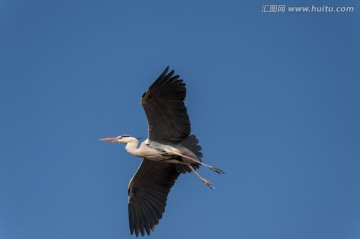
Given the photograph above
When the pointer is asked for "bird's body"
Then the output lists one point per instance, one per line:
(169, 151)
(155, 151)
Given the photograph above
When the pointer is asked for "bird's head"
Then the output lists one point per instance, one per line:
(123, 139)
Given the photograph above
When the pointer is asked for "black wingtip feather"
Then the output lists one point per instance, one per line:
(166, 77)
(165, 72)
(161, 79)
(175, 77)
(171, 73)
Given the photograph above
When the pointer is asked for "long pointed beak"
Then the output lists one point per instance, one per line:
(113, 140)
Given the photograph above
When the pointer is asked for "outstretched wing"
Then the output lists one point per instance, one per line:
(164, 106)
(148, 191)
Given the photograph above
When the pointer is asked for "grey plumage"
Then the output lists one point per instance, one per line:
(164, 106)
(168, 122)
(148, 191)
(169, 151)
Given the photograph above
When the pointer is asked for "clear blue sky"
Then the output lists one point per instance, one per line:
(273, 98)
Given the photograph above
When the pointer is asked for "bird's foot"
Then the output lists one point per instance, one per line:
(208, 183)
(217, 170)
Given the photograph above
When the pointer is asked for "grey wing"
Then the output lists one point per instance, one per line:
(165, 110)
(148, 191)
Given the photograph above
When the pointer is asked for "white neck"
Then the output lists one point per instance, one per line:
(132, 147)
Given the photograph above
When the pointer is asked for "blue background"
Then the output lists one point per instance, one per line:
(273, 98)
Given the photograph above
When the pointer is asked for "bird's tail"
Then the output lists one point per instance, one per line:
(191, 143)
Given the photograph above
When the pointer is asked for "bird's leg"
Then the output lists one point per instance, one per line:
(201, 178)
(203, 164)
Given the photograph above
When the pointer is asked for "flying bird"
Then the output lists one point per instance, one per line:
(169, 151)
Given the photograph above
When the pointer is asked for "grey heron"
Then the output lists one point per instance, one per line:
(170, 150)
